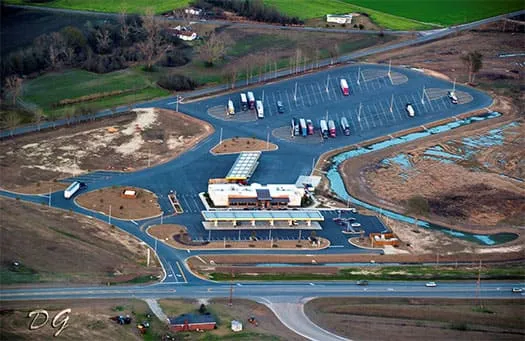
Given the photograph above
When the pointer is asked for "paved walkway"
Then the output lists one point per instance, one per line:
(153, 304)
(292, 315)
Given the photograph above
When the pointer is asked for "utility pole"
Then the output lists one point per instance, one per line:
(109, 217)
(478, 286)
(392, 104)
(231, 290)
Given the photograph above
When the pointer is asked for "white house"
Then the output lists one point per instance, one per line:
(193, 11)
(255, 195)
(339, 18)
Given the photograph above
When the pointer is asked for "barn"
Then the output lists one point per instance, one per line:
(191, 322)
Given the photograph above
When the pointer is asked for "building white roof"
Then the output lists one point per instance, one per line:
(251, 190)
(244, 166)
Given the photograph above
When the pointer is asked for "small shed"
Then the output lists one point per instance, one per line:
(192, 322)
(129, 194)
(236, 326)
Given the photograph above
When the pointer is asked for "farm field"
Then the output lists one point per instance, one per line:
(306, 9)
(48, 90)
(135, 6)
(414, 319)
(443, 12)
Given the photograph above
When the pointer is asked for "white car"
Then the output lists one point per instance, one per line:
(410, 110)
(517, 290)
(453, 97)
(355, 225)
(431, 284)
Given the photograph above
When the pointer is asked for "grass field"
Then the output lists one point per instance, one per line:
(132, 6)
(443, 12)
(49, 89)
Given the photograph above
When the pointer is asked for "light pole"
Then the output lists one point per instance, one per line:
(295, 93)
(358, 75)
(327, 82)
(454, 86)
(392, 104)
(268, 138)
(423, 96)
(49, 202)
(109, 216)
(220, 138)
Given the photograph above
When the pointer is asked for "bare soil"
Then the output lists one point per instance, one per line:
(142, 138)
(55, 246)
(176, 236)
(416, 319)
(242, 144)
(145, 205)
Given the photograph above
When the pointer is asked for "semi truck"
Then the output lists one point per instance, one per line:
(344, 87)
(251, 100)
(323, 129)
(260, 109)
(345, 126)
(244, 102)
(310, 126)
(295, 127)
(331, 128)
(73, 188)
(231, 108)
(304, 129)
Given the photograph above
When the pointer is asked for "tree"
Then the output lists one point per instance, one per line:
(12, 120)
(13, 85)
(333, 51)
(202, 309)
(213, 49)
(474, 62)
(152, 47)
(103, 37)
(124, 27)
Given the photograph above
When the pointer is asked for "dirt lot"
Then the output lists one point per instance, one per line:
(416, 319)
(269, 327)
(143, 206)
(55, 246)
(128, 142)
(242, 144)
(502, 76)
(176, 236)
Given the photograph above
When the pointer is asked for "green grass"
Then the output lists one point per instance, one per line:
(252, 43)
(133, 6)
(443, 12)
(49, 89)
(308, 9)
(389, 273)
(20, 274)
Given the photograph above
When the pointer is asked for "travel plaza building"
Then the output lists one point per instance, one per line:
(239, 205)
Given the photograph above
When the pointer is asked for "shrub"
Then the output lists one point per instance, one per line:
(418, 205)
(361, 26)
(177, 82)
(121, 207)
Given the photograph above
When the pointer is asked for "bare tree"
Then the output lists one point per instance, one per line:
(153, 47)
(333, 51)
(12, 120)
(474, 62)
(214, 48)
(70, 55)
(13, 85)
(37, 117)
(298, 56)
(123, 21)
(104, 40)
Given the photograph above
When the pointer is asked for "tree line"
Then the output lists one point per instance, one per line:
(100, 48)
(251, 9)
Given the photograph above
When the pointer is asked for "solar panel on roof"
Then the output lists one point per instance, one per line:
(244, 166)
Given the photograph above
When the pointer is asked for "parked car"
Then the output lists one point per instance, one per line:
(431, 284)
(410, 110)
(356, 224)
(280, 107)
